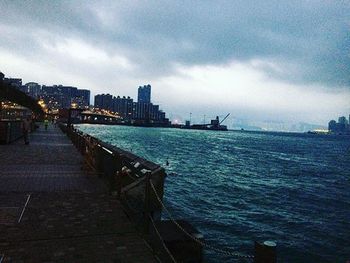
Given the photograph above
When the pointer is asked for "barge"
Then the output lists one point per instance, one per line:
(215, 125)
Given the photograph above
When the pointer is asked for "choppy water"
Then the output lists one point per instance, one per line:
(237, 187)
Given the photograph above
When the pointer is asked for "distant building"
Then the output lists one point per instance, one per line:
(98, 101)
(332, 125)
(15, 82)
(342, 126)
(140, 112)
(123, 107)
(67, 91)
(84, 94)
(144, 94)
(63, 97)
(54, 97)
(104, 101)
(33, 89)
(342, 120)
(342, 123)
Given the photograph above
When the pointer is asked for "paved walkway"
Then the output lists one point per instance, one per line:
(53, 211)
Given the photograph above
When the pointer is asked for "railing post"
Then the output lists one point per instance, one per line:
(147, 201)
(98, 158)
(118, 177)
(118, 183)
(265, 252)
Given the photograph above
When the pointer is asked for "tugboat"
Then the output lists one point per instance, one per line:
(214, 125)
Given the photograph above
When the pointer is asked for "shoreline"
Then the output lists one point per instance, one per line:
(310, 134)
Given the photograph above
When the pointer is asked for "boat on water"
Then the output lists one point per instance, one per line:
(214, 125)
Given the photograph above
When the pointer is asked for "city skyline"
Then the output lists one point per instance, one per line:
(142, 111)
(53, 96)
(261, 62)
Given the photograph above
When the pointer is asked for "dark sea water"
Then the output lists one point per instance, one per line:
(237, 187)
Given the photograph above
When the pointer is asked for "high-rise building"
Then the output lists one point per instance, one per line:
(123, 106)
(60, 96)
(15, 82)
(342, 120)
(140, 112)
(342, 123)
(49, 90)
(144, 94)
(104, 101)
(98, 101)
(55, 97)
(33, 89)
(342, 126)
(83, 95)
(68, 94)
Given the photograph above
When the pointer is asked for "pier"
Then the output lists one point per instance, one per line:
(54, 209)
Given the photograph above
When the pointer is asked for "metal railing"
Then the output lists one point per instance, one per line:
(10, 131)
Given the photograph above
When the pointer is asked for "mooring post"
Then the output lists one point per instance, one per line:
(265, 252)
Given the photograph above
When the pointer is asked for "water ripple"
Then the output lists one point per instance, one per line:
(237, 187)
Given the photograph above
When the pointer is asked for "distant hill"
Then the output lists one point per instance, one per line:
(276, 126)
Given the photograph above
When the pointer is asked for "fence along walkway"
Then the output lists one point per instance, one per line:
(52, 211)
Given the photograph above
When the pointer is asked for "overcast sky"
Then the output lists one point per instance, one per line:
(258, 60)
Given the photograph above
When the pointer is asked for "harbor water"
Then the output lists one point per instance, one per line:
(238, 187)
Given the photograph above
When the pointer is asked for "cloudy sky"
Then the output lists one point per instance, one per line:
(259, 60)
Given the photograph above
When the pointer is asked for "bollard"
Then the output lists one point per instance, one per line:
(265, 252)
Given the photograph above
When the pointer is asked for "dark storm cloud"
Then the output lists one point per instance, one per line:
(308, 40)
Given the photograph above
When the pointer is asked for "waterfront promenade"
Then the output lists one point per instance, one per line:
(51, 210)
